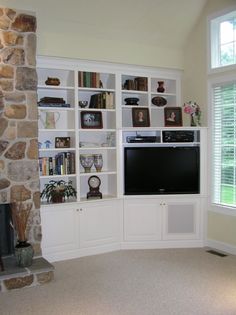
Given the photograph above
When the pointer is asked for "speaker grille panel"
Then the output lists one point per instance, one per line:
(181, 219)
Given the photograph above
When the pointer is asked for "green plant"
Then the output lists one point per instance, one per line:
(58, 191)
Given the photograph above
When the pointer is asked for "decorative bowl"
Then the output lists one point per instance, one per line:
(52, 81)
(83, 104)
(159, 101)
(131, 101)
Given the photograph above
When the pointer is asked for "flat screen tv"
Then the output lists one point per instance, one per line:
(161, 170)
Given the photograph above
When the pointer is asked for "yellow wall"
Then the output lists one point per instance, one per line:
(62, 35)
(220, 227)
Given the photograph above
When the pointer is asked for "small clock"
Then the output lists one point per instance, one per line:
(94, 183)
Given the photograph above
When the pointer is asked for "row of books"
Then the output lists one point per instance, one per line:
(102, 100)
(62, 164)
(139, 84)
(89, 79)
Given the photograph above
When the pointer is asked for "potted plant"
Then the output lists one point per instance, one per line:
(58, 191)
(20, 216)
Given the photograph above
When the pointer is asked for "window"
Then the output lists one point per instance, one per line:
(224, 143)
(223, 40)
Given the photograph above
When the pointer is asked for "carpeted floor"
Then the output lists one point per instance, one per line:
(134, 282)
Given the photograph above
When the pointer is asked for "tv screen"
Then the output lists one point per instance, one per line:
(161, 170)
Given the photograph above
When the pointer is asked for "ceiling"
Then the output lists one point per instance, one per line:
(154, 22)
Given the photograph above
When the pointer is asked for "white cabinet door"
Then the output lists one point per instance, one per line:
(100, 223)
(59, 229)
(182, 219)
(142, 220)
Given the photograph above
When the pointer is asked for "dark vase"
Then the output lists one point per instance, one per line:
(160, 87)
(24, 253)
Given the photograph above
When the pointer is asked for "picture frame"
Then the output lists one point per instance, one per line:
(173, 116)
(62, 142)
(140, 117)
(91, 120)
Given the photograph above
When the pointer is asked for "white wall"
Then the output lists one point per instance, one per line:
(60, 34)
(221, 228)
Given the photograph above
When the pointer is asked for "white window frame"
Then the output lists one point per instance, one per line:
(218, 75)
(224, 209)
(213, 48)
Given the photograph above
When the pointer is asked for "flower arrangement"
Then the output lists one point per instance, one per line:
(20, 216)
(193, 109)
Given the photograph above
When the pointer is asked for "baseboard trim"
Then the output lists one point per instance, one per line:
(53, 257)
(162, 244)
(224, 247)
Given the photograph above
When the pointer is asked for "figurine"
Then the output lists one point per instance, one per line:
(47, 144)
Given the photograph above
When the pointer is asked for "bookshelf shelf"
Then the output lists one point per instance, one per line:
(56, 176)
(57, 150)
(56, 130)
(53, 87)
(53, 109)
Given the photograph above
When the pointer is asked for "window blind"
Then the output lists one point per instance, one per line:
(224, 144)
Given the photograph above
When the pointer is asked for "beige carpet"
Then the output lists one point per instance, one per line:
(139, 282)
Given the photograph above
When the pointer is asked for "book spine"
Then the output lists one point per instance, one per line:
(97, 80)
(50, 166)
(54, 166)
(72, 163)
(40, 166)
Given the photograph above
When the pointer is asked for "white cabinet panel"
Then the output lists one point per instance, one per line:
(59, 228)
(99, 223)
(142, 220)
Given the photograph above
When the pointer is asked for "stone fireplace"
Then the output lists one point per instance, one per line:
(19, 176)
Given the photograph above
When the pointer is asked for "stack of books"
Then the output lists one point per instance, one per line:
(62, 164)
(52, 102)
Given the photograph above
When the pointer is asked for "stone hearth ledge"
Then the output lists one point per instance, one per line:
(13, 277)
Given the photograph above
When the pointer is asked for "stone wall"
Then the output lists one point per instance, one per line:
(19, 177)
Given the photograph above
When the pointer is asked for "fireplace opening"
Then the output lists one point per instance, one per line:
(6, 231)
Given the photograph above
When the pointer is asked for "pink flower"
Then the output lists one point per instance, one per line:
(191, 108)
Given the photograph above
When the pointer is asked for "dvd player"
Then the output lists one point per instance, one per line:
(178, 136)
(141, 139)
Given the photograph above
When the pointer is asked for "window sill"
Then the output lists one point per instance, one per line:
(222, 69)
(226, 210)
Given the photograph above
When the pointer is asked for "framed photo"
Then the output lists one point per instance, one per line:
(173, 116)
(140, 117)
(62, 142)
(91, 119)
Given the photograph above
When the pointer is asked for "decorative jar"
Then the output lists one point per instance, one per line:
(86, 161)
(160, 87)
(98, 162)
